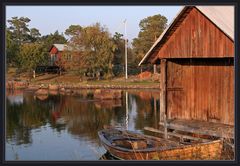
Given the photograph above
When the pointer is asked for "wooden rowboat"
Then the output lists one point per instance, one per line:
(128, 145)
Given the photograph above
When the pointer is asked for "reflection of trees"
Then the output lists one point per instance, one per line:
(147, 112)
(21, 118)
(84, 119)
(81, 117)
(108, 104)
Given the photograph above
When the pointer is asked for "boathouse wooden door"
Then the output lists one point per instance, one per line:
(175, 91)
(200, 90)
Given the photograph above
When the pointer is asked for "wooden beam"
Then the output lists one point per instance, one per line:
(153, 60)
(155, 113)
(163, 100)
(180, 136)
(201, 128)
(163, 90)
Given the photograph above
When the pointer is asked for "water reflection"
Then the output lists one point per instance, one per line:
(73, 120)
(15, 97)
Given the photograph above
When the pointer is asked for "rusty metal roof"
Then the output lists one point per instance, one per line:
(221, 16)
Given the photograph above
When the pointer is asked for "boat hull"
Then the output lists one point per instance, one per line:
(201, 151)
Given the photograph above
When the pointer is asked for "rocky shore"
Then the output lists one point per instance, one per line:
(61, 87)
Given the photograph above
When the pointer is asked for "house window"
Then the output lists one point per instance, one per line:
(53, 59)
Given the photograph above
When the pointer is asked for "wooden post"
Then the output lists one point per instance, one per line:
(155, 112)
(163, 100)
(34, 74)
(154, 69)
(155, 106)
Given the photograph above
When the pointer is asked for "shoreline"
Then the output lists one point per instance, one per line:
(12, 85)
(74, 86)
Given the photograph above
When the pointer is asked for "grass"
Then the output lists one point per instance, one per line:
(112, 82)
(72, 79)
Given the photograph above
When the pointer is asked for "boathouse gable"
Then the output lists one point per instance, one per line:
(195, 36)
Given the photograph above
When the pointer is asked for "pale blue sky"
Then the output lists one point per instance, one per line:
(48, 19)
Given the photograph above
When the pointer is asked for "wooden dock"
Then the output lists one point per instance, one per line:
(198, 127)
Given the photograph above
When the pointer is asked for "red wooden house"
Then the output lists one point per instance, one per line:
(55, 53)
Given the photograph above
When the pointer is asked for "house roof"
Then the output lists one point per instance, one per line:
(221, 16)
(60, 47)
(64, 47)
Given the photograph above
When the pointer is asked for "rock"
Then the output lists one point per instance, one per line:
(62, 89)
(33, 87)
(41, 92)
(145, 75)
(53, 87)
(16, 84)
(9, 85)
(62, 92)
(156, 77)
(69, 91)
(76, 93)
(107, 94)
(53, 92)
(42, 97)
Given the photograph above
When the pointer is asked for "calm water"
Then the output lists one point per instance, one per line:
(62, 127)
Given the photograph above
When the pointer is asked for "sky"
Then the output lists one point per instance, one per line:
(48, 19)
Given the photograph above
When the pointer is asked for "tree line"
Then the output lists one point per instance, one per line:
(91, 49)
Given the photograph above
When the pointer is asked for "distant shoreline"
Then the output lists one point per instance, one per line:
(107, 86)
(67, 81)
(33, 86)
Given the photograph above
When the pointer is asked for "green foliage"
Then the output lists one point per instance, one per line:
(18, 34)
(51, 39)
(31, 55)
(34, 34)
(119, 56)
(73, 31)
(19, 29)
(118, 36)
(150, 29)
(12, 48)
(97, 49)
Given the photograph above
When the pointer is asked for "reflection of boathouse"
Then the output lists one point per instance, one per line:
(196, 57)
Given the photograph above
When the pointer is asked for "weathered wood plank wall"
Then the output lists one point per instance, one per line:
(201, 90)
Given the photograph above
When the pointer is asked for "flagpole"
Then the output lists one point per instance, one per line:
(126, 111)
(125, 25)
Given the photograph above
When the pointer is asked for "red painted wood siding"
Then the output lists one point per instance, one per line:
(197, 37)
(55, 51)
(201, 90)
